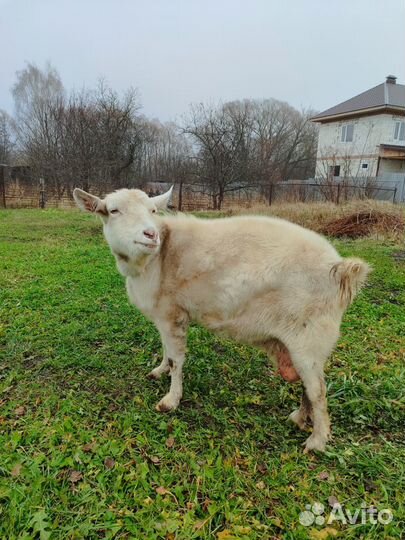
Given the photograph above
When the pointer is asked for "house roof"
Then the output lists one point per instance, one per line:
(387, 95)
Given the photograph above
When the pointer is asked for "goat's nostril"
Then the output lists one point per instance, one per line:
(150, 233)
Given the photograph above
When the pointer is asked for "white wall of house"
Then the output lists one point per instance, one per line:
(388, 166)
(369, 132)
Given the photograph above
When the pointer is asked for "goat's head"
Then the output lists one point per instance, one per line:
(130, 226)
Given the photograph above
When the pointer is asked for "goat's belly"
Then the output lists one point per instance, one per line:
(249, 326)
(253, 331)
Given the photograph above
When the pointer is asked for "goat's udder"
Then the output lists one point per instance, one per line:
(285, 366)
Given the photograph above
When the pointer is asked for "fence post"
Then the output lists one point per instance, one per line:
(395, 194)
(271, 194)
(338, 194)
(41, 193)
(3, 185)
(180, 199)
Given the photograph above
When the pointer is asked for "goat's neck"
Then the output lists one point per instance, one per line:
(142, 264)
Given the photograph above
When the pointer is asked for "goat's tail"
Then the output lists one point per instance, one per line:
(350, 275)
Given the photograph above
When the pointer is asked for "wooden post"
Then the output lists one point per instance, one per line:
(41, 193)
(180, 199)
(271, 194)
(3, 185)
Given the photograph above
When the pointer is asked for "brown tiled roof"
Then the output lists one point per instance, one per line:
(385, 95)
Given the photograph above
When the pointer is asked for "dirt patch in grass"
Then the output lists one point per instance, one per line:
(361, 224)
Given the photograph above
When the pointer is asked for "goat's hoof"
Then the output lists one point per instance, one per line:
(315, 442)
(166, 404)
(153, 375)
(157, 373)
(298, 419)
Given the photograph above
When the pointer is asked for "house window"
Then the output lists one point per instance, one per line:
(334, 170)
(399, 131)
(364, 165)
(347, 133)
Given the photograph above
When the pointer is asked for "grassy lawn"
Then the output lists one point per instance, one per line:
(83, 454)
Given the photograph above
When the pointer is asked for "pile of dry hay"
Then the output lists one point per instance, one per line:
(364, 223)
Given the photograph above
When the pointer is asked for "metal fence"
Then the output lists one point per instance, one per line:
(338, 190)
(21, 190)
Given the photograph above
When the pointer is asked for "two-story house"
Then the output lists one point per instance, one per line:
(365, 135)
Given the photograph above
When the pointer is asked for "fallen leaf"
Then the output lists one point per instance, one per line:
(89, 447)
(225, 535)
(200, 524)
(278, 523)
(109, 463)
(20, 411)
(155, 460)
(370, 485)
(240, 529)
(75, 476)
(323, 534)
(16, 470)
(324, 475)
(170, 442)
(332, 500)
(261, 485)
(161, 490)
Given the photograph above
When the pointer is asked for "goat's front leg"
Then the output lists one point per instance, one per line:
(163, 367)
(174, 344)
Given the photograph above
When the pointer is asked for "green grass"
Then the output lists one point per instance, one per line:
(83, 454)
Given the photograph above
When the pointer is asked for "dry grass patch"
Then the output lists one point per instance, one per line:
(361, 224)
(353, 219)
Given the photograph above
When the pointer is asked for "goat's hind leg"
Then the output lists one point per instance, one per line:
(309, 365)
(315, 389)
(301, 416)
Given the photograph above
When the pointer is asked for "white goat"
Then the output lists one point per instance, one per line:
(262, 281)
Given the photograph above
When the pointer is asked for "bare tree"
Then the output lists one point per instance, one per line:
(250, 144)
(6, 140)
(99, 134)
(88, 138)
(221, 139)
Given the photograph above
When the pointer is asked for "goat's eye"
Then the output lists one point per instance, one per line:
(114, 211)
(153, 211)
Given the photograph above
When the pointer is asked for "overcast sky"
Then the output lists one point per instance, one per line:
(311, 53)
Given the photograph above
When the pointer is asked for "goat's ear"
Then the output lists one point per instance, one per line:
(162, 201)
(89, 203)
